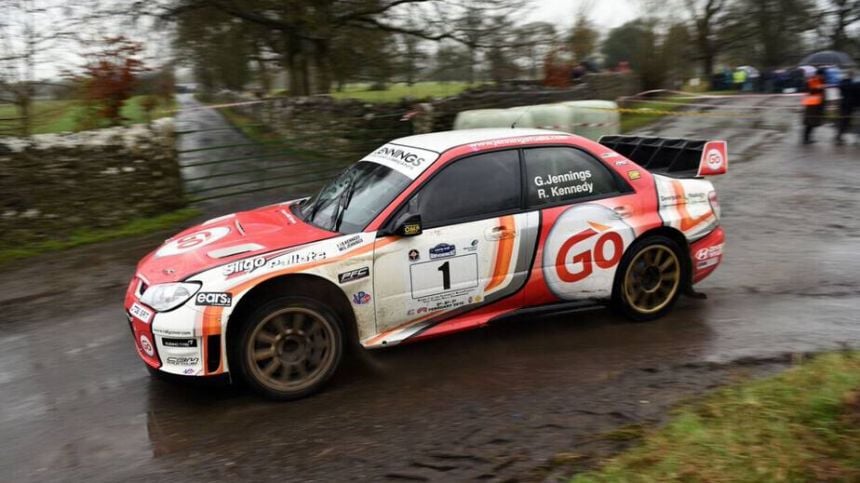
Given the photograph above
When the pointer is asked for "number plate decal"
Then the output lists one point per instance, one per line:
(444, 275)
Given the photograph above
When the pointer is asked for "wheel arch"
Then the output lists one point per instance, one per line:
(301, 284)
(676, 236)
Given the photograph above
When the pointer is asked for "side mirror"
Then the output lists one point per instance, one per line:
(408, 225)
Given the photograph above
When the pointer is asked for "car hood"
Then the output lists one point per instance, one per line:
(226, 239)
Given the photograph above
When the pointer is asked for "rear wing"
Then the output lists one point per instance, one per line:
(680, 158)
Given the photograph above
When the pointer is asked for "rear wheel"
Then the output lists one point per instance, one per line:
(288, 348)
(649, 279)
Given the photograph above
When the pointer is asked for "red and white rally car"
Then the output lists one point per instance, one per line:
(427, 235)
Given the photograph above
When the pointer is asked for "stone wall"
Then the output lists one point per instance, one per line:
(344, 129)
(348, 129)
(594, 86)
(55, 184)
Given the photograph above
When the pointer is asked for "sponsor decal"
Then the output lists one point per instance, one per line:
(471, 247)
(517, 140)
(188, 371)
(407, 160)
(247, 265)
(414, 256)
(353, 275)
(634, 174)
(707, 263)
(612, 154)
(411, 229)
(442, 250)
(297, 259)
(348, 243)
(410, 312)
(171, 332)
(714, 158)
(193, 241)
(709, 252)
(146, 345)
(215, 299)
(184, 343)
(583, 250)
(183, 361)
(421, 310)
(361, 298)
(140, 312)
(585, 258)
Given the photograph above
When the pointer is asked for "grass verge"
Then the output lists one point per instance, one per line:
(802, 425)
(86, 236)
(398, 91)
(650, 111)
(53, 116)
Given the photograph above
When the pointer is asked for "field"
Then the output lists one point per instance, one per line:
(52, 116)
(802, 425)
(398, 91)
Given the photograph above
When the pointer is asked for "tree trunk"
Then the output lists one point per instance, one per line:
(322, 62)
(473, 56)
(708, 67)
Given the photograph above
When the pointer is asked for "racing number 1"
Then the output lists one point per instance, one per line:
(445, 268)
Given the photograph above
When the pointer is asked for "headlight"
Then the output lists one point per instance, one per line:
(168, 296)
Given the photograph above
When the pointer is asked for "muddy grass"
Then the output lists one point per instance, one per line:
(802, 425)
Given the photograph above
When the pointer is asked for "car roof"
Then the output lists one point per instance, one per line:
(445, 140)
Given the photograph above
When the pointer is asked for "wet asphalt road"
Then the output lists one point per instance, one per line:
(496, 403)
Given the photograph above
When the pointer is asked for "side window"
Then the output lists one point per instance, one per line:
(565, 174)
(478, 185)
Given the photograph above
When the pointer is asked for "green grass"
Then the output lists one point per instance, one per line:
(53, 116)
(802, 425)
(648, 112)
(86, 236)
(398, 91)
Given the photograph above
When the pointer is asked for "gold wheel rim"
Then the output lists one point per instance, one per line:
(291, 349)
(652, 279)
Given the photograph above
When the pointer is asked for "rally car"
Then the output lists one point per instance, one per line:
(427, 235)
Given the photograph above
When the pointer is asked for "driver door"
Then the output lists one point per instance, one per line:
(475, 248)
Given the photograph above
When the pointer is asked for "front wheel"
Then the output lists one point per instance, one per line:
(649, 278)
(288, 348)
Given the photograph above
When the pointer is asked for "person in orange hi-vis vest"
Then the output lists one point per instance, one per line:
(813, 103)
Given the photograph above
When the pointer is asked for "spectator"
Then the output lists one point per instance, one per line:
(848, 90)
(813, 103)
(740, 78)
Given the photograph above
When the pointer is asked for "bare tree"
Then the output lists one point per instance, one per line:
(835, 19)
(707, 17)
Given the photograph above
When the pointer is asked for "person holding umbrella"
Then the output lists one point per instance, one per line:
(850, 97)
(813, 105)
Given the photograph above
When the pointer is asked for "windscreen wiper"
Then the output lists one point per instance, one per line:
(343, 202)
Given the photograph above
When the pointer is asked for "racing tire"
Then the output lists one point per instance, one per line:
(288, 348)
(649, 280)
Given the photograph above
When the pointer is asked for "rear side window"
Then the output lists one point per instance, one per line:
(556, 175)
(484, 184)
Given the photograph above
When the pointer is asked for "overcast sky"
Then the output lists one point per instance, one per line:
(604, 13)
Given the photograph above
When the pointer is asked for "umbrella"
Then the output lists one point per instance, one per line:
(829, 57)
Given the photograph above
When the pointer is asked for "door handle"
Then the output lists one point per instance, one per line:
(622, 211)
(499, 233)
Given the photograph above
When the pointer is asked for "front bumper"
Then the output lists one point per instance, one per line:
(176, 342)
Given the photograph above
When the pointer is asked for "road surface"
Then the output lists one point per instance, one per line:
(497, 403)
